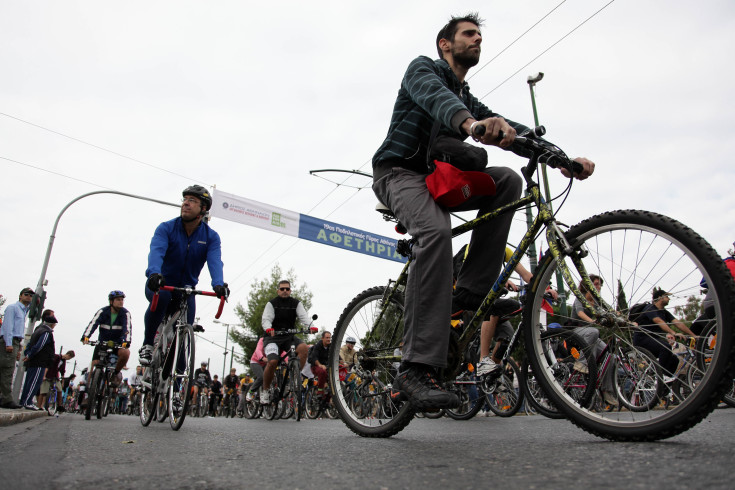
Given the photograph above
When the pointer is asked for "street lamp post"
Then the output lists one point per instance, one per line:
(227, 336)
(532, 81)
(40, 295)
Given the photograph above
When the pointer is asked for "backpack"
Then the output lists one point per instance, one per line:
(635, 311)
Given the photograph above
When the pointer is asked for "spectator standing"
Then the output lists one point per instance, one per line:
(13, 327)
(39, 354)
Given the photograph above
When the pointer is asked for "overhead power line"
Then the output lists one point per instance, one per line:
(102, 148)
(549, 48)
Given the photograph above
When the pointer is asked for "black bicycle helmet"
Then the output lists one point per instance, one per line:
(115, 294)
(201, 192)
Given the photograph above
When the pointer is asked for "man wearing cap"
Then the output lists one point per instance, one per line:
(13, 328)
(347, 353)
(435, 96)
(39, 355)
(655, 322)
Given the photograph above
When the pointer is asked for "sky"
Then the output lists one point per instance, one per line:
(147, 98)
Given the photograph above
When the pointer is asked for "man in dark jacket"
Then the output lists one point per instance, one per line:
(436, 91)
(115, 324)
(318, 358)
(39, 355)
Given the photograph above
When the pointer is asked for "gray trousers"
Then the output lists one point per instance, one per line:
(7, 368)
(429, 287)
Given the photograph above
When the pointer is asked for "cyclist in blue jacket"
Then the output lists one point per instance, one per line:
(179, 249)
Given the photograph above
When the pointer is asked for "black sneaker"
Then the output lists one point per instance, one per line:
(418, 385)
(463, 300)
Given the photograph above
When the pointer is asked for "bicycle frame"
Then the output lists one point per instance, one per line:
(558, 247)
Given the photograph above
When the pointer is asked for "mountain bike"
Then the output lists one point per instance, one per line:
(166, 382)
(286, 385)
(632, 250)
(100, 386)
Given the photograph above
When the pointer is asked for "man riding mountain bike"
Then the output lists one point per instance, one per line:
(115, 324)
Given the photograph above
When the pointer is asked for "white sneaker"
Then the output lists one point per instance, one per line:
(249, 396)
(486, 366)
(265, 397)
(669, 379)
(145, 354)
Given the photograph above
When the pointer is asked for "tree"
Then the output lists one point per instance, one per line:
(261, 292)
(622, 300)
(690, 311)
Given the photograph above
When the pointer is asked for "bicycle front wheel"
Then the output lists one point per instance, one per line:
(100, 393)
(294, 381)
(377, 325)
(534, 395)
(182, 376)
(633, 252)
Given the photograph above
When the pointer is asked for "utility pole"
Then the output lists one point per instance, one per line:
(532, 81)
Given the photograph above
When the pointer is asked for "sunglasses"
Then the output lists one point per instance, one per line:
(27, 294)
(284, 289)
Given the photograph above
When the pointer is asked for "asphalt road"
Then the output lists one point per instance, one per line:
(519, 452)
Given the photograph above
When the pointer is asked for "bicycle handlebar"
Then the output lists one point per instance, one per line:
(108, 343)
(291, 331)
(187, 292)
(532, 141)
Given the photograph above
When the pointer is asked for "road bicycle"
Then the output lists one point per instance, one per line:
(167, 380)
(632, 250)
(100, 386)
(286, 386)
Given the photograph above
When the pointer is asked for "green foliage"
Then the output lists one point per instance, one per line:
(690, 311)
(251, 315)
(622, 303)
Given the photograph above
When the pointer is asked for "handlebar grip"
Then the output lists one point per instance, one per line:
(270, 331)
(479, 130)
(221, 306)
(313, 329)
(154, 302)
(577, 167)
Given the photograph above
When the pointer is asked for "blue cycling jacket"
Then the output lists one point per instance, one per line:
(180, 258)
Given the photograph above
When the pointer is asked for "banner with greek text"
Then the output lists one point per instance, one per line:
(267, 217)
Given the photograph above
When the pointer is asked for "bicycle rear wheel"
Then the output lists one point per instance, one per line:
(633, 251)
(638, 379)
(182, 377)
(506, 397)
(148, 400)
(471, 399)
(378, 329)
(162, 404)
